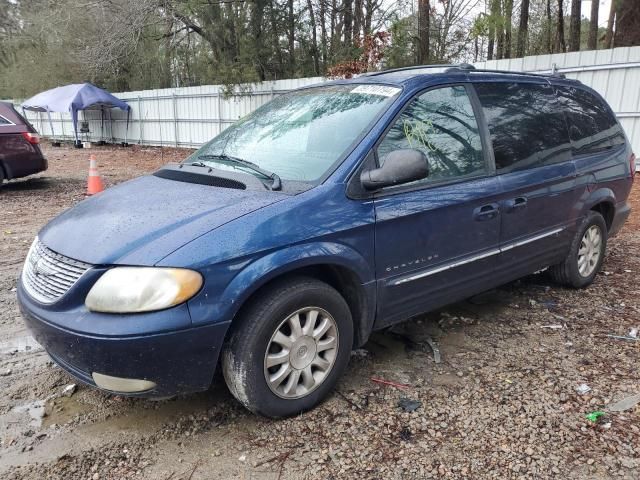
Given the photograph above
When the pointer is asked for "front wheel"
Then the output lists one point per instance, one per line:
(289, 347)
(586, 255)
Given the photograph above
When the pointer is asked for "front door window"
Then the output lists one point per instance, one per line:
(441, 123)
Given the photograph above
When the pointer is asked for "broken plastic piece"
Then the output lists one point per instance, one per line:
(594, 416)
(625, 404)
(409, 405)
(435, 349)
(583, 389)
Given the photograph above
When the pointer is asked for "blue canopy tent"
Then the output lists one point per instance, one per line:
(72, 98)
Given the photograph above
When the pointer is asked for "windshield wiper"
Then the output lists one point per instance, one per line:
(276, 182)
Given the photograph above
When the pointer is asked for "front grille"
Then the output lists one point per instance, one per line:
(48, 275)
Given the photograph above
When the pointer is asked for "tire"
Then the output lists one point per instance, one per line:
(1, 176)
(572, 272)
(255, 340)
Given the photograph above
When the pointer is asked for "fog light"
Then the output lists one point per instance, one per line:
(122, 385)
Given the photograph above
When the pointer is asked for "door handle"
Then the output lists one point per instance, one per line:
(486, 212)
(516, 204)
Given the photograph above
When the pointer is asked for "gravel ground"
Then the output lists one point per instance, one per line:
(501, 404)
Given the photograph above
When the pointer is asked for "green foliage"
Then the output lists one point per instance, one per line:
(401, 53)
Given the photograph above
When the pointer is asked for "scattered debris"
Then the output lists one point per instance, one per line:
(360, 353)
(583, 389)
(594, 416)
(391, 384)
(348, 400)
(435, 349)
(409, 405)
(5, 373)
(622, 337)
(553, 327)
(625, 404)
(69, 390)
(633, 333)
(405, 434)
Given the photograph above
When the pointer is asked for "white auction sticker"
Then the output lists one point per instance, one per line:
(382, 90)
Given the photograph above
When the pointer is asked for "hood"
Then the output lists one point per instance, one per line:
(142, 221)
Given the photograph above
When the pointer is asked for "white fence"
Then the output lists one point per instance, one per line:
(179, 117)
(188, 117)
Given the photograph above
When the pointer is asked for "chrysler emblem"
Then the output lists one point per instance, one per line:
(41, 269)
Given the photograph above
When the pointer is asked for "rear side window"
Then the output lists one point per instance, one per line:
(4, 121)
(527, 126)
(592, 125)
(441, 123)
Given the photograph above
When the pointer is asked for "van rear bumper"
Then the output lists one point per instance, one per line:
(622, 213)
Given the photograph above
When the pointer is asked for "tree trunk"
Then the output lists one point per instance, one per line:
(314, 39)
(348, 22)
(495, 30)
(508, 14)
(627, 23)
(358, 20)
(368, 16)
(292, 39)
(574, 25)
(323, 33)
(257, 15)
(278, 70)
(332, 29)
(523, 29)
(549, 24)
(592, 42)
(492, 31)
(561, 45)
(423, 31)
(608, 38)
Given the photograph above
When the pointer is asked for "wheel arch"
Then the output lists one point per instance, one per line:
(603, 201)
(4, 172)
(350, 277)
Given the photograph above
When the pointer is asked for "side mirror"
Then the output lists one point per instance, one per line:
(399, 166)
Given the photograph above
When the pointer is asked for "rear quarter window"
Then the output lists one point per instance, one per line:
(526, 125)
(592, 125)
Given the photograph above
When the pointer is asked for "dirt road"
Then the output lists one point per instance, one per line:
(502, 404)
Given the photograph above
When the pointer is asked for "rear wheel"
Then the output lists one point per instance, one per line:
(289, 347)
(586, 255)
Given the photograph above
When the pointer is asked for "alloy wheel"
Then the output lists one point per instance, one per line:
(301, 353)
(590, 250)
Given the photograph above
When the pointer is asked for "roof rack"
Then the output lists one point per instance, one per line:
(462, 68)
(404, 69)
(528, 74)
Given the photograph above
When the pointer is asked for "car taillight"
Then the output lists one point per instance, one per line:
(632, 165)
(32, 138)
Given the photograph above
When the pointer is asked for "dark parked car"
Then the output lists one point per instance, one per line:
(20, 154)
(330, 212)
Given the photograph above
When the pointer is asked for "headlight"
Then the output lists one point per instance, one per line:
(142, 289)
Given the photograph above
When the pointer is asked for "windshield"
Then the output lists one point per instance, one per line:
(298, 136)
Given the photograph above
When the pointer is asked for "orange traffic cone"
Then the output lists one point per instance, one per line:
(94, 184)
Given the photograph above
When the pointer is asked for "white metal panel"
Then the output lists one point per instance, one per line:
(197, 114)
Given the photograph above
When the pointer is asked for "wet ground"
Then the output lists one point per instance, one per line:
(503, 403)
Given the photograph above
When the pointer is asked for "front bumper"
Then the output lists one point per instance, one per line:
(181, 361)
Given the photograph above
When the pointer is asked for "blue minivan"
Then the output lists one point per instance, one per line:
(330, 212)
